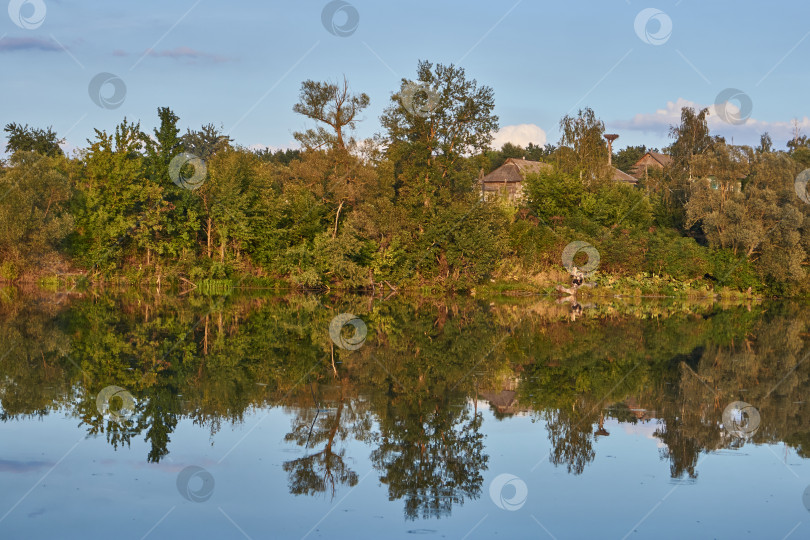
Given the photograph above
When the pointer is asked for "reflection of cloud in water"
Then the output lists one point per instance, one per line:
(7, 465)
(645, 429)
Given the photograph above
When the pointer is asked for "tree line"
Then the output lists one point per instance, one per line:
(402, 208)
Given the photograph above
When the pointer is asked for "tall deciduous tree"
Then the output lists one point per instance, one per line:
(331, 104)
(181, 220)
(583, 149)
(429, 142)
(340, 174)
(120, 208)
(691, 138)
(437, 131)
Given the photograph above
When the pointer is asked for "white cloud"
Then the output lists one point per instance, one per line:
(521, 134)
(748, 132)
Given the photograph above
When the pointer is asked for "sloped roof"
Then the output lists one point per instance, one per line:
(663, 159)
(515, 170)
(621, 176)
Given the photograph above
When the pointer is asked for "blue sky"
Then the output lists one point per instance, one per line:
(240, 64)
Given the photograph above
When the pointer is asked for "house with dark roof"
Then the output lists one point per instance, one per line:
(507, 180)
(650, 160)
(621, 176)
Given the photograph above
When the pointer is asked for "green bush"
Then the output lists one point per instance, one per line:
(681, 258)
(734, 271)
(9, 271)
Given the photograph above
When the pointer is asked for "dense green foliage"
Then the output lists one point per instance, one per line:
(403, 209)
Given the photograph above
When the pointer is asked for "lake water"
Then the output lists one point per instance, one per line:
(130, 415)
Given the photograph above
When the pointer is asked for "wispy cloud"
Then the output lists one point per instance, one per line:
(186, 53)
(659, 122)
(7, 465)
(11, 44)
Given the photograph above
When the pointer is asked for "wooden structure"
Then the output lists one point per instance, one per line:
(650, 160)
(507, 180)
(621, 176)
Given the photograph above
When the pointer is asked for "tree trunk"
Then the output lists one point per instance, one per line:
(205, 337)
(337, 217)
(210, 226)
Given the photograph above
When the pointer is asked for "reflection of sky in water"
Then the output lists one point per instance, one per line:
(97, 492)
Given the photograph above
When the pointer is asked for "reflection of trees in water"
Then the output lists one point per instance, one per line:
(687, 370)
(571, 434)
(406, 392)
(762, 365)
(431, 454)
(324, 470)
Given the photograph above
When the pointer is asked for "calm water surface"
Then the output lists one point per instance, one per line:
(130, 415)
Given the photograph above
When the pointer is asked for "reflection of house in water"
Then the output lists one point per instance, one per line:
(504, 402)
(637, 411)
